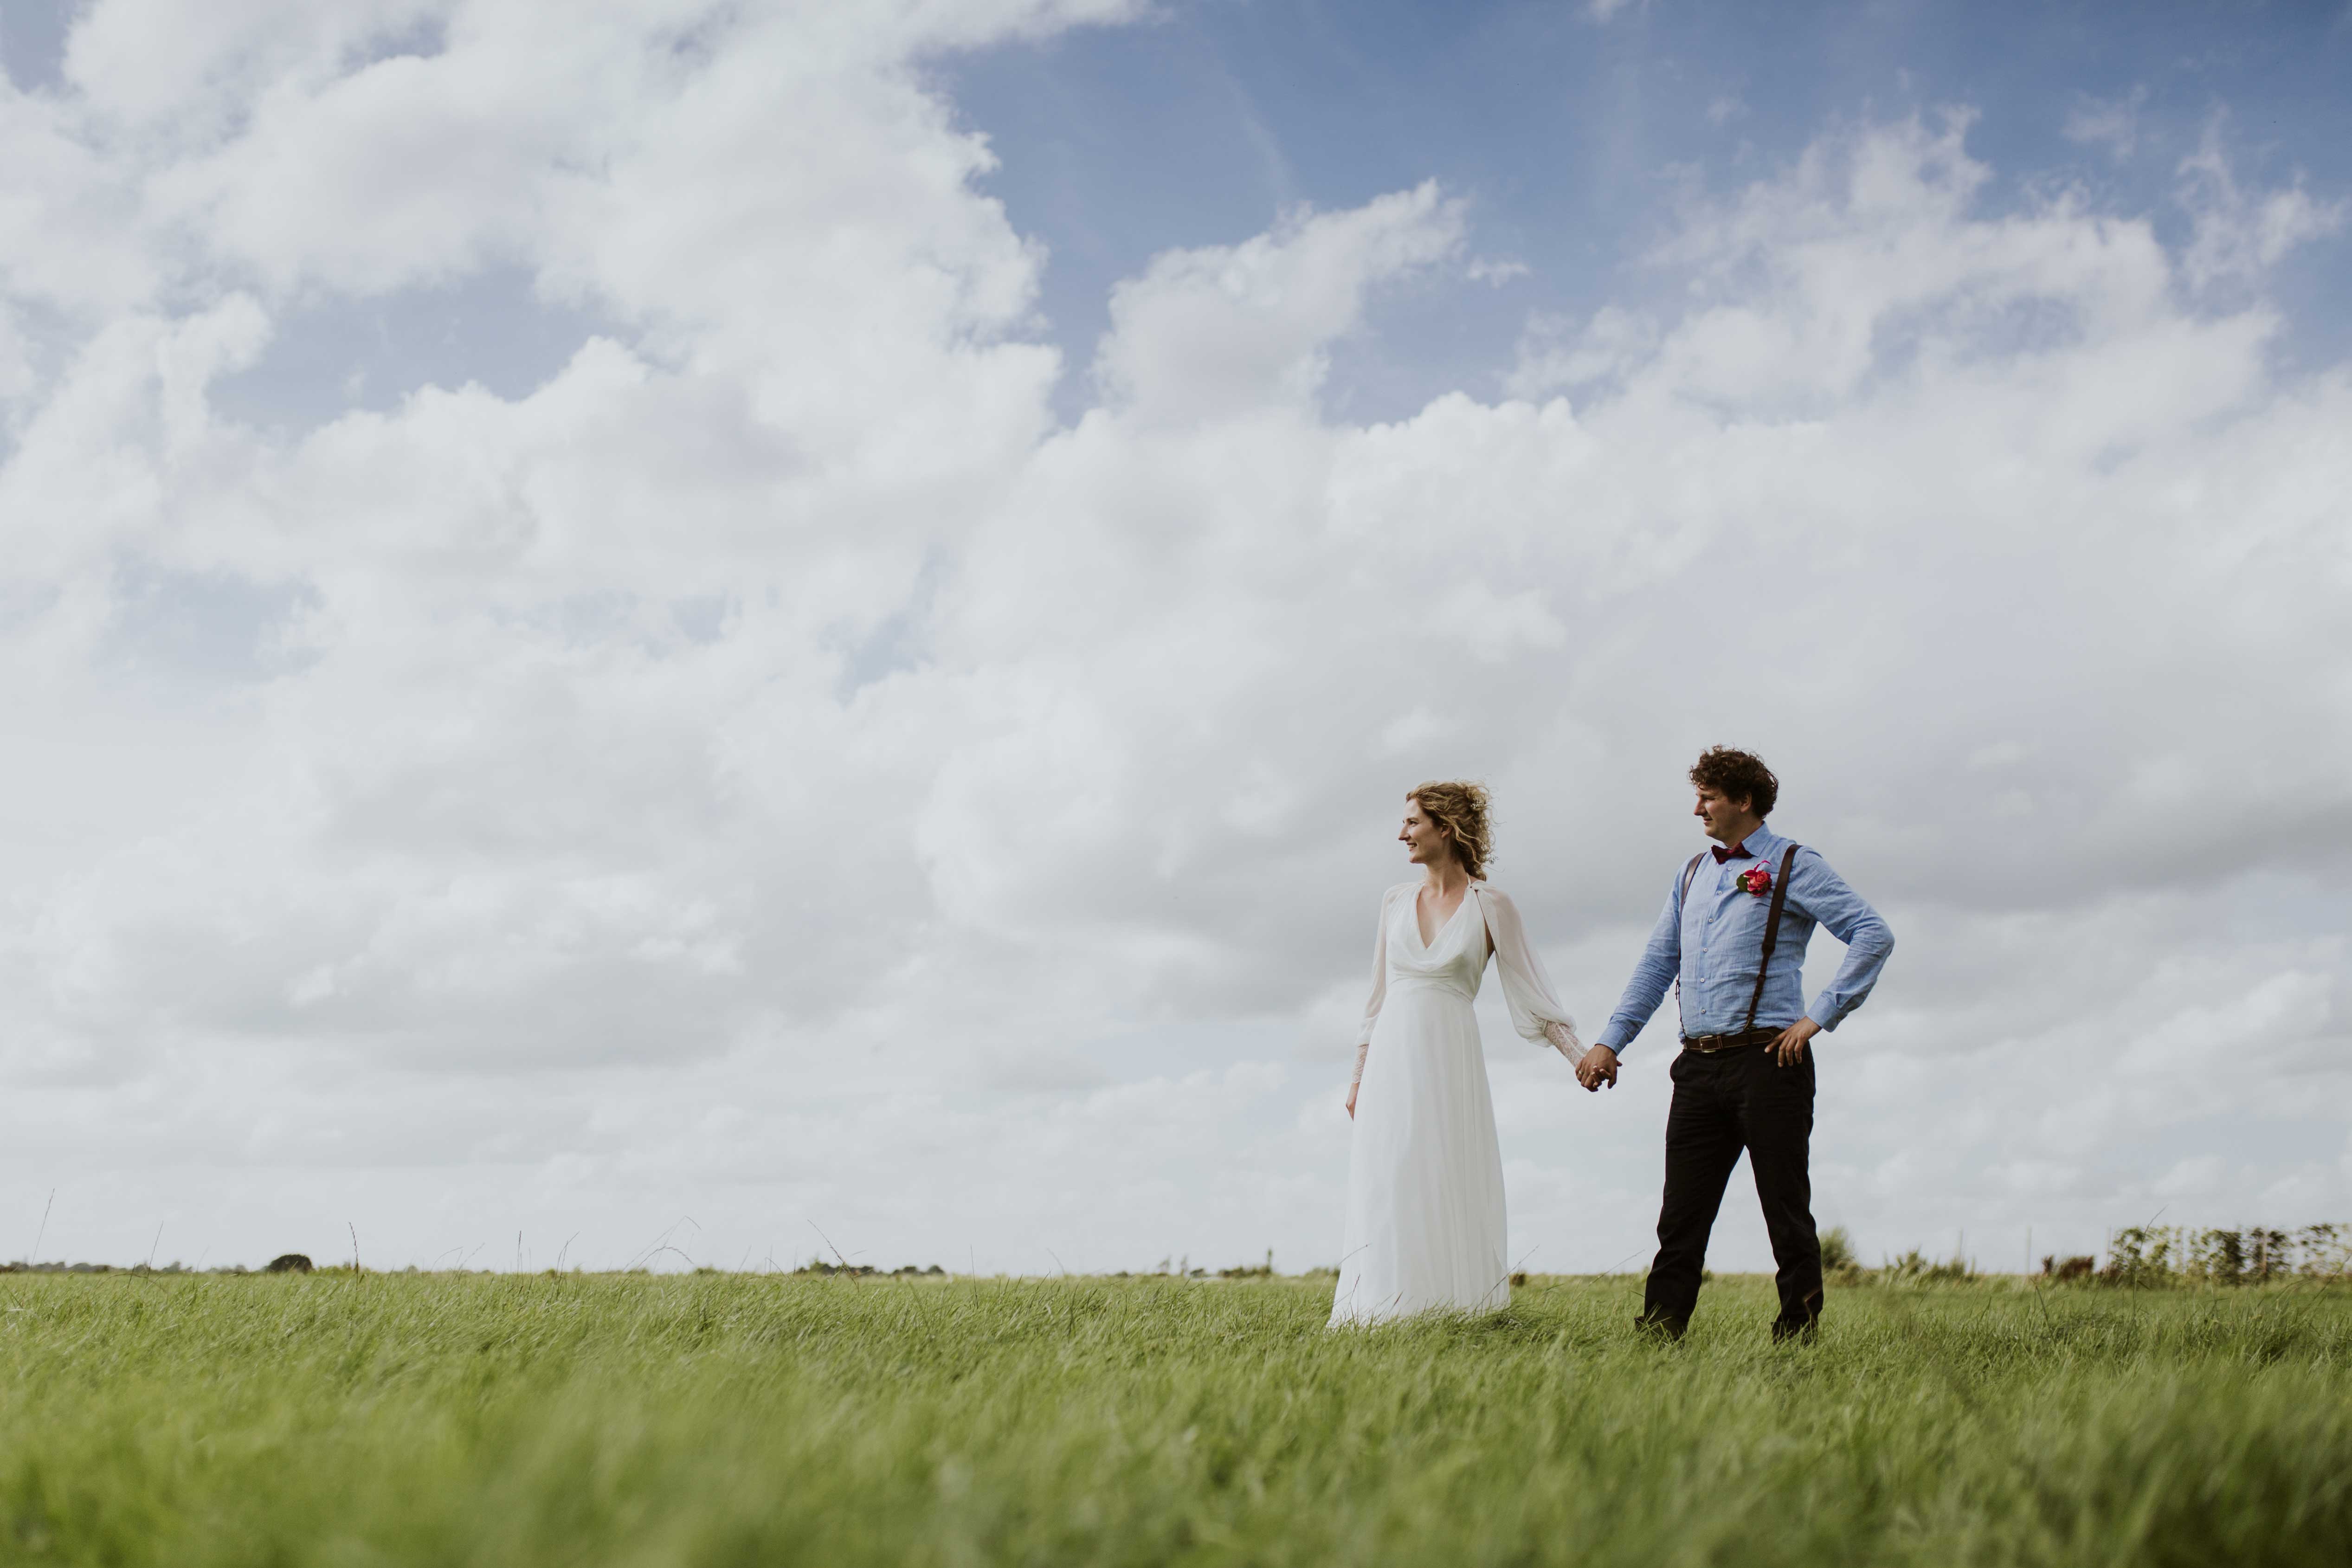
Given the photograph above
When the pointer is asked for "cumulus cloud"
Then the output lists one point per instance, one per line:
(774, 770)
(2109, 122)
(2241, 234)
(1216, 332)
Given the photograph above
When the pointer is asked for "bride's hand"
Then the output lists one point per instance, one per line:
(1351, 1103)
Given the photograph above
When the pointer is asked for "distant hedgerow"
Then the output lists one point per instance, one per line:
(2156, 1256)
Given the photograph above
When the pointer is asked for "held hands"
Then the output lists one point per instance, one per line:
(1598, 1067)
(1789, 1049)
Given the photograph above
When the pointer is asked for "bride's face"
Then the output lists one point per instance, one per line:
(1424, 842)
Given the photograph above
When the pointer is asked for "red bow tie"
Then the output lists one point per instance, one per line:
(1737, 851)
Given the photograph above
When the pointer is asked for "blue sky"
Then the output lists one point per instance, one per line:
(1573, 138)
(576, 660)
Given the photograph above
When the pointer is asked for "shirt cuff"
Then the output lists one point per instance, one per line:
(1822, 1013)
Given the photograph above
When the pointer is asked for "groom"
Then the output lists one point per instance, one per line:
(1732, 941)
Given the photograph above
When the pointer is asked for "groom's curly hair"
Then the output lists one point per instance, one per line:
(1737, 775)
(1460, 808)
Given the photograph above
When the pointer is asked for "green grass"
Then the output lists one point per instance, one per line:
(733, 1419)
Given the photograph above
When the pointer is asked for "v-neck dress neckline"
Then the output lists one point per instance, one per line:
(1429, 943)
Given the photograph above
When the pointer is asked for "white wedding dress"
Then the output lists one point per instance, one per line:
(1425, 1227)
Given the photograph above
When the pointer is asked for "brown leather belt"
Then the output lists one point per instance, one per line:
(1708, 1045)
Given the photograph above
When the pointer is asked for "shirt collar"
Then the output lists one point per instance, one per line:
(1763, 844)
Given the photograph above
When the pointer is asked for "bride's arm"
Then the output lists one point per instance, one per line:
(1535, 1012)
(1379, 995)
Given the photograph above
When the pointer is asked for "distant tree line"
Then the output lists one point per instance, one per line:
(2173, 1255)
(2141, 1257)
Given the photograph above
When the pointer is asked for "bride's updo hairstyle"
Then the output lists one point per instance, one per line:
(1459, 808)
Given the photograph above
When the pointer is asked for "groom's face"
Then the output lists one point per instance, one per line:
(1726, 820)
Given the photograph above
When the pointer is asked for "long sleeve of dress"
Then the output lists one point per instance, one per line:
(1535, 1012)
(1380, 982)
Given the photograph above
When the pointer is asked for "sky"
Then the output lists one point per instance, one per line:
(704, 632)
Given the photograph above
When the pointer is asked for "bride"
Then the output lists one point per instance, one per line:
(1424, 1224)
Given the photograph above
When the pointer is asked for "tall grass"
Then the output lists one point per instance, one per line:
(730, 1420)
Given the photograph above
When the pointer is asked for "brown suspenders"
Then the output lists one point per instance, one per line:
(1771, 934)
(1772, 925)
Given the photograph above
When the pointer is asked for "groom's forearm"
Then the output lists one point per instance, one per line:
(1643, 994)
(1846, 915)
(1868, 943)
(1620, 1032)
(1661, 957)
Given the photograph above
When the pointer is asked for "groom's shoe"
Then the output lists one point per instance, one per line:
(1654, 1326)
(1805, 1330)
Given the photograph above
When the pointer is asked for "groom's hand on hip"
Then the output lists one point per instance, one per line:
(1790, 1049)
(1598, 1067)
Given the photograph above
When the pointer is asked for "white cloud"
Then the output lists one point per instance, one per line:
(772, 771)
(1555, 355)
(2239, 234)
(2112, 123)
(1221, 330)
(1482, 270)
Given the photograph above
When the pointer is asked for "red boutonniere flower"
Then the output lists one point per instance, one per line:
(1757, 878)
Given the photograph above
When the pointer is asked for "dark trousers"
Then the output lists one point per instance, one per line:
(1725, 1101)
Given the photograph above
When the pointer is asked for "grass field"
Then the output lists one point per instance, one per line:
(739, 1420)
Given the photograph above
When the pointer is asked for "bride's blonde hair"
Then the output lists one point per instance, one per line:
(1460, 809)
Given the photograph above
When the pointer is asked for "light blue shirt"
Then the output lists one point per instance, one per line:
(1712, 946)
